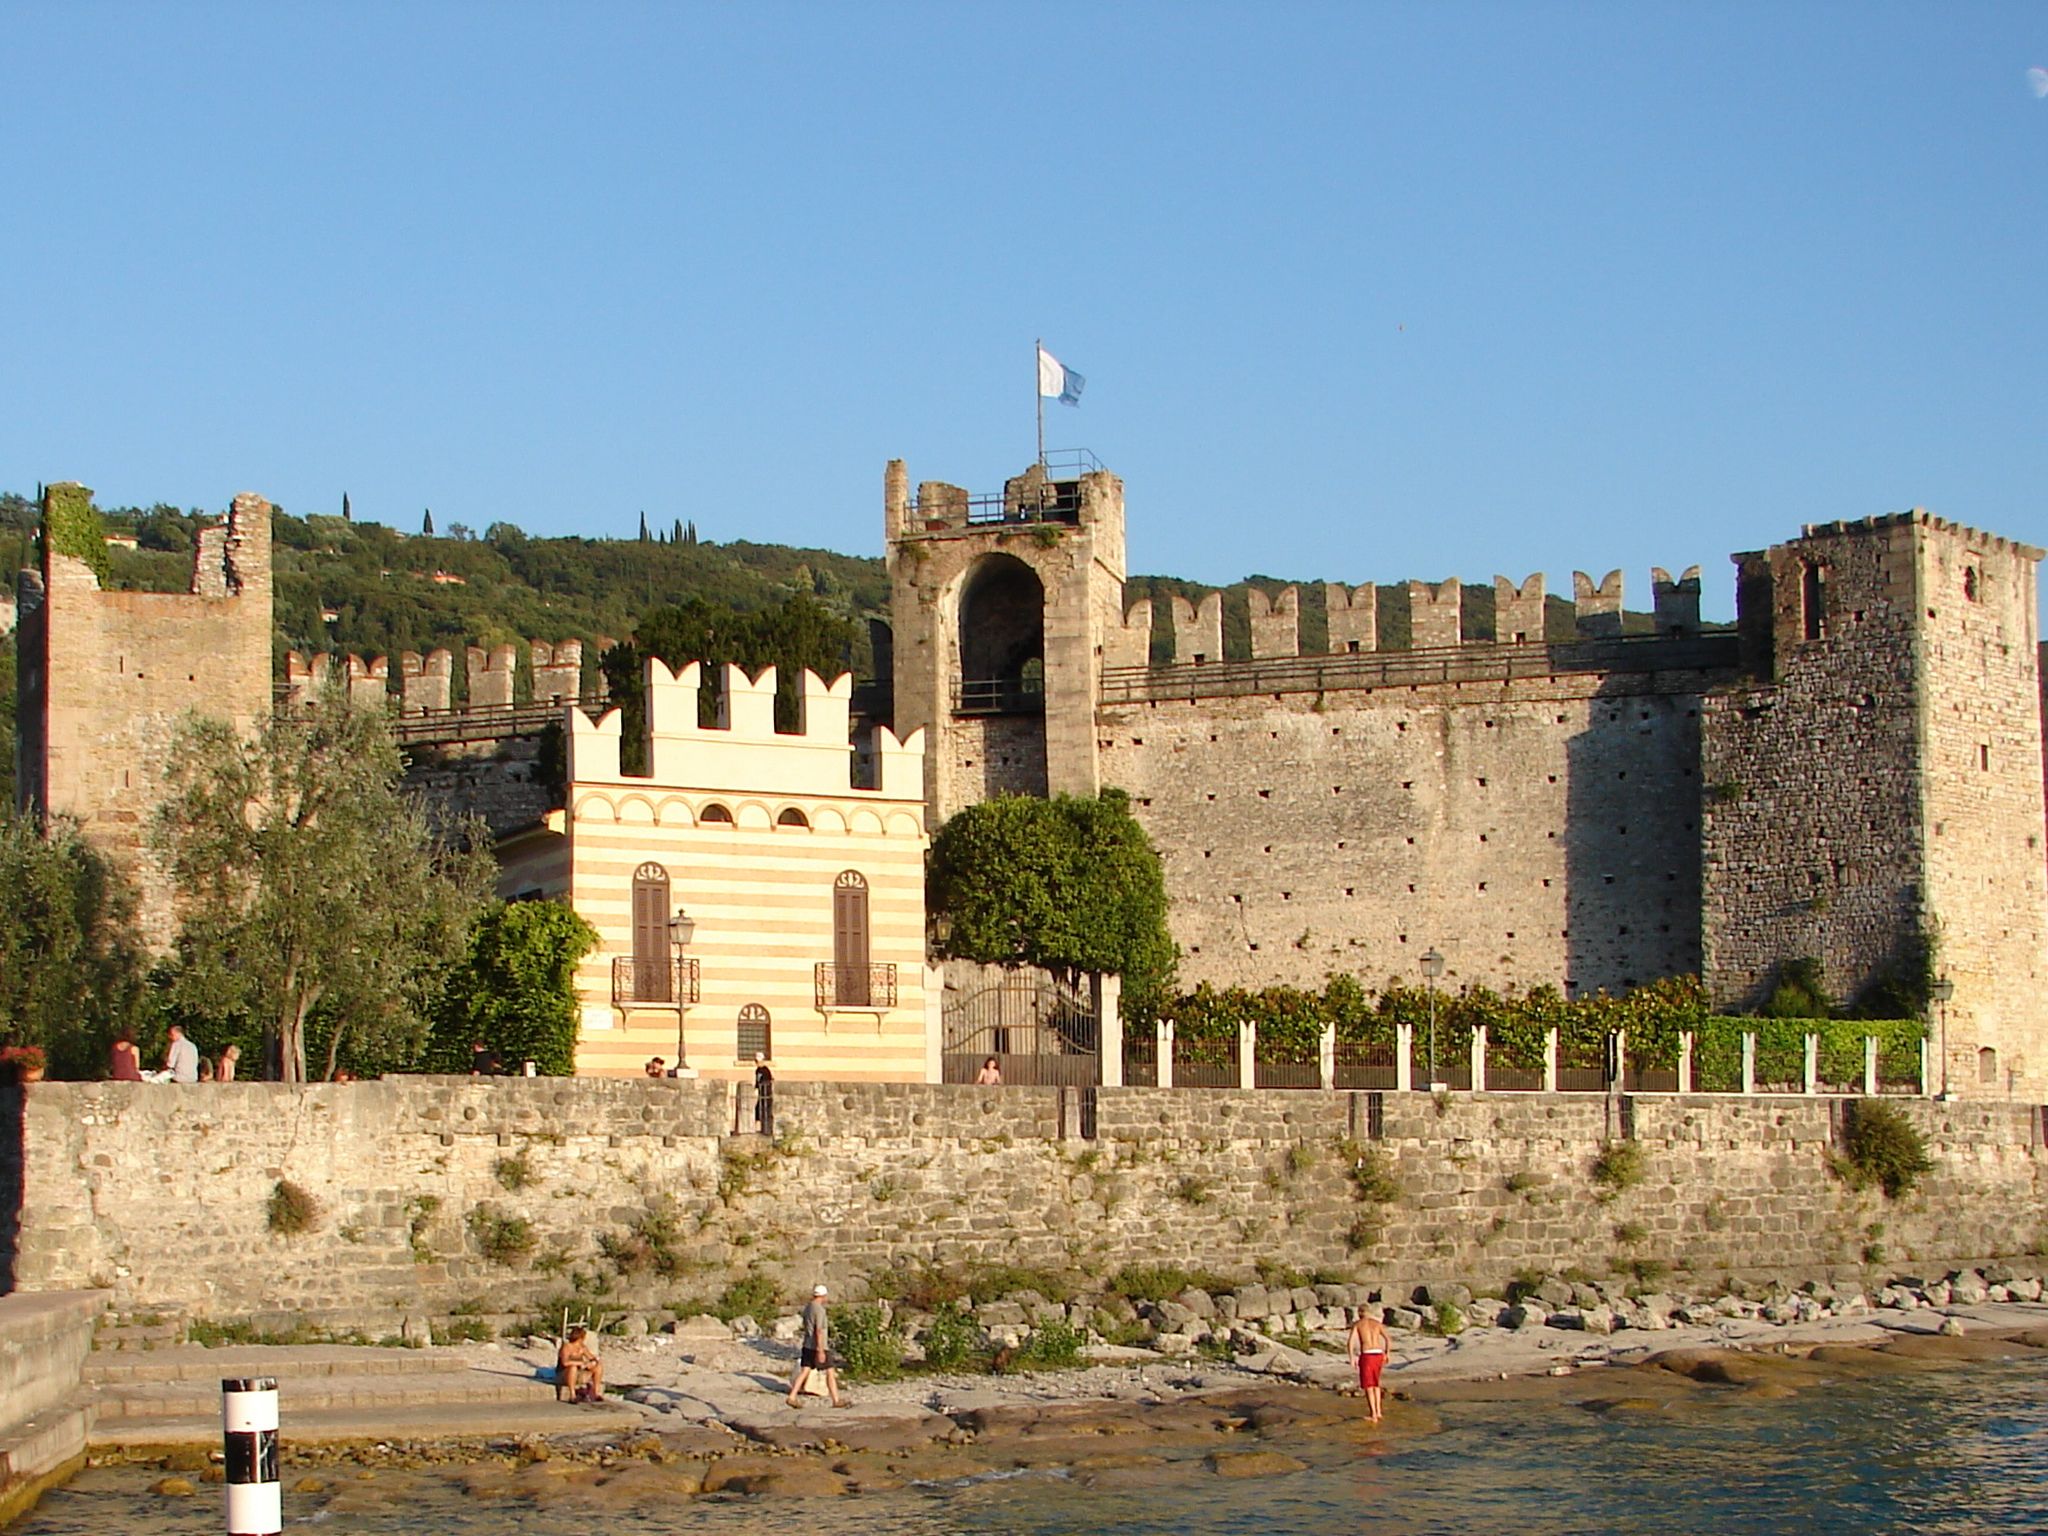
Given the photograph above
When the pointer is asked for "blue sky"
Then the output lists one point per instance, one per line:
(1360, 292)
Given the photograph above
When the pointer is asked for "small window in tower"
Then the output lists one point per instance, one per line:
(1984, 756)
(1987, 1065)
(1970, 579)
(1810, 596)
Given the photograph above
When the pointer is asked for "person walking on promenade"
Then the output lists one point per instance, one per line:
(181, 1061)
(1368, 1346)
(764, 1095)
(815, 1351)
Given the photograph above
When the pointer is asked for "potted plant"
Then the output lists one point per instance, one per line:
(21, 1063)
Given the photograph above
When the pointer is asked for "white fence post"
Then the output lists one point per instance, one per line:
(1404, 1057)
(1326, 1058)
(1685, 1061)
(1926, 1077)
(1479, 1058)
(1812, 1084)
(1109, 1002)
(1870, 1066)
(1166, 1053)
(1550, 1061)
(1618, 1044)
(1748, 1061)
(1247, 1053)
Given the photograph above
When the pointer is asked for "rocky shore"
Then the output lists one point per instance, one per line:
(1224, 1374)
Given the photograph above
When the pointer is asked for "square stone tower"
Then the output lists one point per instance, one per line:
(1000, 606)
(1878, 792)
(106, 676)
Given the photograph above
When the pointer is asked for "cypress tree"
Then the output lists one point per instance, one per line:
(643, 527)
(346, 515)
(427, 524)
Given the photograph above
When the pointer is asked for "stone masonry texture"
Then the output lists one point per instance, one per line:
(159, 1195)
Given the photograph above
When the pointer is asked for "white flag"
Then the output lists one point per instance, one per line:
(1055, 378)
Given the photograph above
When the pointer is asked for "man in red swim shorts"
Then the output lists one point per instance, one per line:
(1368, 1346)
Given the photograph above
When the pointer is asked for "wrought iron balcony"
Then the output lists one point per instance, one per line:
(638, 983)
(856, 986)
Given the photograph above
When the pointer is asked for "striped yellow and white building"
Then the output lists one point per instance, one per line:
(747, 895)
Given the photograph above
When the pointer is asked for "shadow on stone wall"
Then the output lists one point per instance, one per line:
(1631, 844)
(13, 1166)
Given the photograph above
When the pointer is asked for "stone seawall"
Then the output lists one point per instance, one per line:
(161, 1195)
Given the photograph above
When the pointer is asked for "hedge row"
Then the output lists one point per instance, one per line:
(1290, 1023)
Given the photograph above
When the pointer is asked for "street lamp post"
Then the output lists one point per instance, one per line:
(681, 928)
(1432, 968)
(1941, 991)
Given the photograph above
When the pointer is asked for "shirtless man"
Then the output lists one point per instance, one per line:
(1368, 1347)
(578, 1371)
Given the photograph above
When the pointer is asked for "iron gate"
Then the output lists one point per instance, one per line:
(1041, 1032)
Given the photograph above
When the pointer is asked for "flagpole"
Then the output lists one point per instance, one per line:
(1038, 395)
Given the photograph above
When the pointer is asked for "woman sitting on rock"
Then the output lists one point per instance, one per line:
(579, 1374)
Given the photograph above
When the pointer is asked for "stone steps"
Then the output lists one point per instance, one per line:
(300, 1361)
(329, 1392)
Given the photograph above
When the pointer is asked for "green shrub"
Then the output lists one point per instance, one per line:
(1629, 1233)
(1618, 1166)
(1881, 1146)
(1053, 1346)
(1193, 1191)
(952, 1341)
(1800, 992)
(869, 1349)
(1163, 1282)
(293, 1209)
(654, 1242)
(514, 1172)
(1448, 1319)
(753, 1295)
(1372, 1177)
(506, 1240)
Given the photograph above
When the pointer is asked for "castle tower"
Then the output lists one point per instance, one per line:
(106, 676)
(1878, 794)
(1001, 607)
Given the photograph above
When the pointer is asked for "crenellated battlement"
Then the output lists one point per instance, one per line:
(425, 685)
(1436, 618)
(743, 752)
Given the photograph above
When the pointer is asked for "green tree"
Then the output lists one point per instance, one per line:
(515, 990)
(7, 727)
(1070, 884)
(71, 967)
(307, 880)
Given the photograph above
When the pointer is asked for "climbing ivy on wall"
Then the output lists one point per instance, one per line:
(71, 526)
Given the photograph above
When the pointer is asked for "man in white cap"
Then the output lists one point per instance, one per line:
(815, 1350)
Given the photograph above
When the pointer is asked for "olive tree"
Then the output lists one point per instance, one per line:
(306, 880)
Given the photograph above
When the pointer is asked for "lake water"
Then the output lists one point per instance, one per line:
(1958, 1450)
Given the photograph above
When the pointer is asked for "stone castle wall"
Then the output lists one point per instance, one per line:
(1541, 830)
(159, 1195)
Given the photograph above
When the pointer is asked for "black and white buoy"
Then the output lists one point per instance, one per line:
(248, 1423)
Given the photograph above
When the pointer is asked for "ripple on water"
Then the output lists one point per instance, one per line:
(1963, 1450)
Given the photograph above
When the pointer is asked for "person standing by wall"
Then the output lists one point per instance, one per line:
(815, 1350)
(229, 1060)
(764, 1096)
(124, 1061)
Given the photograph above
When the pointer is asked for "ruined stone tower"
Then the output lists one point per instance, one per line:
(106, 676)
(1001, 605)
